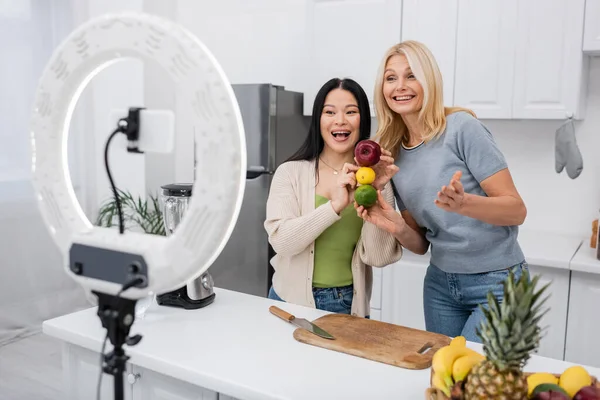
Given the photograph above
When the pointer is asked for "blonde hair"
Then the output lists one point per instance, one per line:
(391, 129)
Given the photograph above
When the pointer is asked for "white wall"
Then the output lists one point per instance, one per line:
(555, 202)
(119, 86)
(128, 83)
(33, 284)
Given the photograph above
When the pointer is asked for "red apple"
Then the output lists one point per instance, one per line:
(550, 395)
(367, 153)
(587, 393)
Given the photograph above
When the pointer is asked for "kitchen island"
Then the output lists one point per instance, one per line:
(234, 348)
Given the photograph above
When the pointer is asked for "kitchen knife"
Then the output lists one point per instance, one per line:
(299, 322)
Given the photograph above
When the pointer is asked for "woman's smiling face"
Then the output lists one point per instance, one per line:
(340, 121)
(402, 91)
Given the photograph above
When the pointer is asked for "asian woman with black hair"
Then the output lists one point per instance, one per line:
(324, 251)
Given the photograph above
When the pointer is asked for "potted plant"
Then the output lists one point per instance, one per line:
(139, 214)
(142, 215)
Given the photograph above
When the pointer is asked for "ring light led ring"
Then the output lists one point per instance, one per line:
(204, 96)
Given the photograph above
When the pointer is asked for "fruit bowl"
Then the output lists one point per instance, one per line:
(498, 370)
(436, 394)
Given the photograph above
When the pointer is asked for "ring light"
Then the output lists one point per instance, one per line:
(101, 259)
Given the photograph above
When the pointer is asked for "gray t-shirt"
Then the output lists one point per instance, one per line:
(459, 244)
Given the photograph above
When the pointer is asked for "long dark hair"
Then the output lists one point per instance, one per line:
(314, 143)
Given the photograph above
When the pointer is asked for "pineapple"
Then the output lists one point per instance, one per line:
(510, 333)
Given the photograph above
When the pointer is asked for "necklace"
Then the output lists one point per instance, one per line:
(335, 171)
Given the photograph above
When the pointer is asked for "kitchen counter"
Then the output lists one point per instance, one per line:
(237, 348)
(548, 249)
(544, 249)
(585, 260)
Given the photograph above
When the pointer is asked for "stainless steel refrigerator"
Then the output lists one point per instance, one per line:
(275, 128)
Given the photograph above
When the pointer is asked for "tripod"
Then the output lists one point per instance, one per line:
(117, 315)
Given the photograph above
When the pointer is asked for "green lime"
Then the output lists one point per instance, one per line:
(365, 195)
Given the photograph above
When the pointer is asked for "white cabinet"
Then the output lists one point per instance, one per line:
(149, 385)
(555, 321)
(521, 59)
(485, 43)
(402, 292)
(505, 59)
(583, 323)
(376, 294)
(402, 299)
(375, 314)
(591, 33)
(433, 23)
(347, 39)
(549, 64)
(259, 41)
(81, 371)
(299, 44)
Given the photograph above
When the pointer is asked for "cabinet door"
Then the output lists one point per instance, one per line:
(149, 385)
(583, 324)
(258, 41)
(375, 315)
(591, 33)
(485, 52)
(348, 39)
(548, 69)
(402, 295)
(81, 371)
(376, 292)
(375, 312)
(555, 321)
(433, 23)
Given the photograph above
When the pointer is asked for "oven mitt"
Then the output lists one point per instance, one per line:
(566, 151)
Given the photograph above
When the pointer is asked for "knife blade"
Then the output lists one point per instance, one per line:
(300, 322)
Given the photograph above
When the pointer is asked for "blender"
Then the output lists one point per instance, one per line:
(199, 292)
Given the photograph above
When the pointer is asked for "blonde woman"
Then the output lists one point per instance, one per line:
(454, 191)
(325, 252)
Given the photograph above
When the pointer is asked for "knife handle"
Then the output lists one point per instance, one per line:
(281, 314)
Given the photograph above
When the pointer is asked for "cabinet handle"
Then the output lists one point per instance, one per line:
(132, 378)
(254, 172)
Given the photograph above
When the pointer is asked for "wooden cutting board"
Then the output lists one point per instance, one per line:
(375, 340)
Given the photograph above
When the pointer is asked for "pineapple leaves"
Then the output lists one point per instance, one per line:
(510, 330)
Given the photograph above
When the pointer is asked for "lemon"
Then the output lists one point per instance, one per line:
(534, 380)
(365, 175)
(365, 195)
(573, 379)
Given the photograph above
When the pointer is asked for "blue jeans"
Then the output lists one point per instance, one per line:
(451, 301)
(337, 300)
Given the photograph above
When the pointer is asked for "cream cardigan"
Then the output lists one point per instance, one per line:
(293, 224)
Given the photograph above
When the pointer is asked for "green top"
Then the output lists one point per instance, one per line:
(334, 248)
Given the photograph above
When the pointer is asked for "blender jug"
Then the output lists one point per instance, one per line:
(198, 292)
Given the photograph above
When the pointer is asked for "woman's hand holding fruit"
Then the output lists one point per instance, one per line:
(381, 215)
(343, 192)
(370, 156)
(369, 203)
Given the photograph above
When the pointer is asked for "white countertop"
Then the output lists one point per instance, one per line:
(544, 249)
(585, 260)
(236, 347)
(548, 249)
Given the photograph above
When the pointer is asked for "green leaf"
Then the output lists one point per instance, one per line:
(137, 212)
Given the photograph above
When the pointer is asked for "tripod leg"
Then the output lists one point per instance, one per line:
(119, 389)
